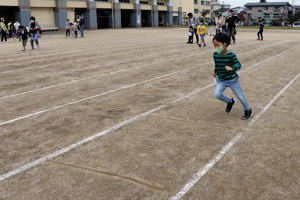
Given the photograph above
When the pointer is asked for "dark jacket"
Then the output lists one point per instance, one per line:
(24, 34)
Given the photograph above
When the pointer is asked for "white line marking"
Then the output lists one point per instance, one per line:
(86, 46)
(95, 96)
(108, 92)
(100, 74)
(120, 125)
(77, 60)
(108, 73)
(196, 177)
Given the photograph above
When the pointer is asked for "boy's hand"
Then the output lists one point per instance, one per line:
(228, 68)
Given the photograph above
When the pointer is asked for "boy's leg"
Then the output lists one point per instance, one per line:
(236, 88)
(24, 42)
(32, 43)
(196, 35)
(261, 35)
(220, 88)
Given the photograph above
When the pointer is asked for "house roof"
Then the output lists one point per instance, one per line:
(268, 4)
(221, 10)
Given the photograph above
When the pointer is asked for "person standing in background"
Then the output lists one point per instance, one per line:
(3, 30)
(67, 27)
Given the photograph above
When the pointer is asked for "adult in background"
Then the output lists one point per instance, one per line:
(34, 29)
(16, 27)
(218, 25)
(231, 20)
(81, 26)
(67, 27)
(213, 27)
(3, 30)
(10, 29)
(194, 22)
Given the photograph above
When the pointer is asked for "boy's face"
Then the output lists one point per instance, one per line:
(218, 44)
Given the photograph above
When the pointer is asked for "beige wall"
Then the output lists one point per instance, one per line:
(71, 14)
(187, 6)
(45, 16)
(76, 4)
(103, 5)
(9, 2)
(42, 3)
(126, 6)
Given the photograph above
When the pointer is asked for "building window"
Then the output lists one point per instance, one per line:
(249, 8)
(160, 3)
(277, 9)
(195, 1)
(196, 11)
(205, 3)
(144, 2)
(124, 1)
(266, 8)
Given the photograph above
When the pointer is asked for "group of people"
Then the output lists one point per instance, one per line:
(8, 30)
(226, 62)
(198, 28)
(21, 32)
(72, 28)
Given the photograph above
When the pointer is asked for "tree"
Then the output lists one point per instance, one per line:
(263, 1)
(294, 18)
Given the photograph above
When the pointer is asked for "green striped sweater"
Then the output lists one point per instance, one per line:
(221, 61)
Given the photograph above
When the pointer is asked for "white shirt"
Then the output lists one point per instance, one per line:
(16, 25)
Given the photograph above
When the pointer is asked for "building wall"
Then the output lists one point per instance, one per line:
(9, 2)
(190, 6)
(45, 16)
(46, 11)
(268, 14)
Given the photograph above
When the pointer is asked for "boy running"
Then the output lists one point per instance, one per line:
(226, 66)
(23, 34)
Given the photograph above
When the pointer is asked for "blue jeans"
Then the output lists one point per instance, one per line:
(235, 86)
(34, 38)
(81, 31)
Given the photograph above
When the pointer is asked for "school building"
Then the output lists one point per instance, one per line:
(52, 14)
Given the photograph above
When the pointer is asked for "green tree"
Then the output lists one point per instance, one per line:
(294, 18)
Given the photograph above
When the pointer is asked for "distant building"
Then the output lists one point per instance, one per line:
(297, 8)
(270, 12)
(52, 14)
(217, 9)
(196, 7)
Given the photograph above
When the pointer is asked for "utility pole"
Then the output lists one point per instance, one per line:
(113, 13)
(293, 7)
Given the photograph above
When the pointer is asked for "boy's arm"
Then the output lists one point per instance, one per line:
(236, 63)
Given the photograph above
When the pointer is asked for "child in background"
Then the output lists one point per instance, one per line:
(226, 66)
(72, 30)
(75, 25)
(23, 34)
(202, 31)
(261, 30)
(191, 35)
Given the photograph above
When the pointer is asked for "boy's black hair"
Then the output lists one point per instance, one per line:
(21, 26)
(32, 18)
(223, 38)
(191, 27)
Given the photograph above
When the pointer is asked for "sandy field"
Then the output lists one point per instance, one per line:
(131, 115)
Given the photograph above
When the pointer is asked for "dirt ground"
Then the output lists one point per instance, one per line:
(131, 115)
